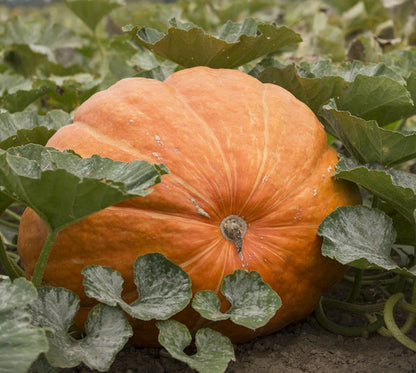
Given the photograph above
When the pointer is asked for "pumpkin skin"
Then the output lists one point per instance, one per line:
(234, 146)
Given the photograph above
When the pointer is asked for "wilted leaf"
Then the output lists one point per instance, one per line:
(20, 342)
(107, 330)
(164, 288)
(214, 351)
(189, 45)
(63, 187)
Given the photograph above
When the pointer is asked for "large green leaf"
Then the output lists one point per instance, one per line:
(164, 288)
(376, 97)
(20, 341)
(359, 236)
(396, 187)
(253, 302)
(366, 141)
(348, 71)
(373, 92)
(91, 12)
(107, 330)
(27, 127)
(311, 90)
(214, 351)
(189, 45)
(63, 188)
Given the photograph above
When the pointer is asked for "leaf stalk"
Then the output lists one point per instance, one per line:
(350, 331)
(11, 268)
(43, 258)
(396, 332)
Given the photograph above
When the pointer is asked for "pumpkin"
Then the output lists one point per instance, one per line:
(249, 184)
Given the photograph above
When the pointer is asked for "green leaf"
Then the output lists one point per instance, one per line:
(64, 188)
(107, 330)
(91, 12)
(188, 45)
(364, 48)
(404, 60)
(103, 284)
(363, 15)
(373, 91)
(11, 83)
(253, 302)
(35, 47)
(366, 141)
(164, 288)
(207, 303)
(16, 294)
(5, 201)
(396, 187)
(150, 66)
(18, 100)
(20, 342)
(27, 127)
(37, 37)
(214, 351)
(313, 91)
(359, 236)
(379, 98)
(330, 42)
(71, 91)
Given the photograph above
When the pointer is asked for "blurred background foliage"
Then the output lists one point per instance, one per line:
(47, 53)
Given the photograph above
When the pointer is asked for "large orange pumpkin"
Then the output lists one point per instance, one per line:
(239, 152)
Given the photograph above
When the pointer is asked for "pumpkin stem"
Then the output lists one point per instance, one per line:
(234, 228)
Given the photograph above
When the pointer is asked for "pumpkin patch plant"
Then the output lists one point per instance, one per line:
(244, 191)
(194, 195)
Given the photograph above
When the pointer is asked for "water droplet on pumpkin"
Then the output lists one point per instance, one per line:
(131, 121)
(157, 138)
(330, 169)
(315, 192)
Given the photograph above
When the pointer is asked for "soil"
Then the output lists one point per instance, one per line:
(301, 347)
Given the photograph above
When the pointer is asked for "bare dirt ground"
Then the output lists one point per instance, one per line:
(301, 347)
